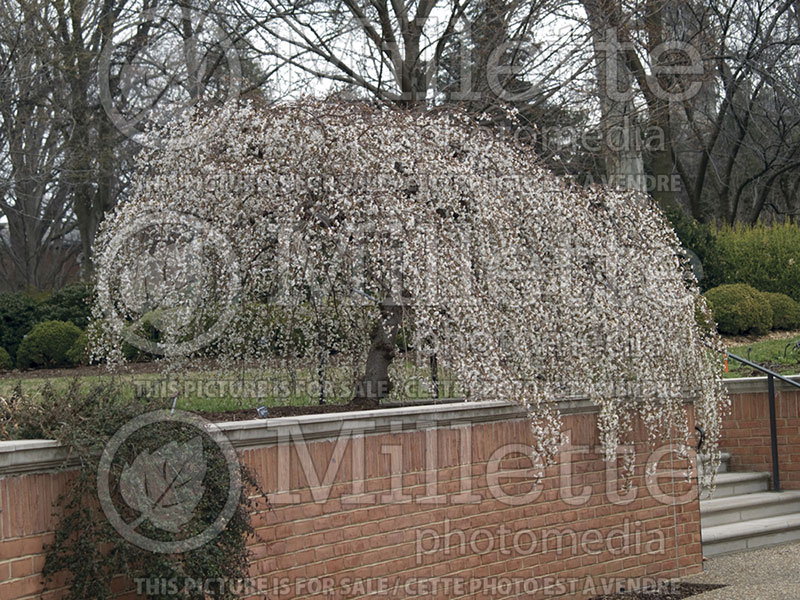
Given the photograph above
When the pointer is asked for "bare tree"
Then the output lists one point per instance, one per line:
(105, 71)
(477, 53)
(747, 141)
(32, 198)
(718, 81)
(619, 114)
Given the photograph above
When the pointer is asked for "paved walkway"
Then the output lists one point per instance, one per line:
(761, 574)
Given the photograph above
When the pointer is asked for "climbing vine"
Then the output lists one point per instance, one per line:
(86, 546)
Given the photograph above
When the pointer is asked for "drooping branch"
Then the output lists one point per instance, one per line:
(343, 221)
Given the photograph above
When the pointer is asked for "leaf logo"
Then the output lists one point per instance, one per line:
(165, 486)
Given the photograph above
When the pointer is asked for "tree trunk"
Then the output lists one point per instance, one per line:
(622, 153)
(663, 165)
(375, 384)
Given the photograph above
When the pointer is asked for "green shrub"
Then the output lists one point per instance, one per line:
(47, 344)
(6, 362)
(18, 314)
(739, 308)
(78, 354)
(785, 311)
(767, 258)
(697, 238)
(71, 303)
(20, 311)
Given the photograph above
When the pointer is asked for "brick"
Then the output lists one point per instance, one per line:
(370, 538)
(21, 568)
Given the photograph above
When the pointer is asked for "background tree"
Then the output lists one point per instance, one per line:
(33, 198)
(81, 83)
(717, 81)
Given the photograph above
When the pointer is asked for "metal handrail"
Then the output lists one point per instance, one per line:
(763, 369)
(773, 428)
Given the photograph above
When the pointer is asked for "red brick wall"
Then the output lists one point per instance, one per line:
(746, 433)
(27, 521)
(398, 517)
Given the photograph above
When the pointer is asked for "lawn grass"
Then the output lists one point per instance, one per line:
(203, 391)
(213, 390)
(216, 390)
(779, 355)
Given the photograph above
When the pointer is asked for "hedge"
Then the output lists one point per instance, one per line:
(739, 308)
(72, 303)
(18, 314)
(6, 363)
(47, 345)
(767, 258)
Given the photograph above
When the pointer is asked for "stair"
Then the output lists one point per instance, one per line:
(738, 484)
(742, 514)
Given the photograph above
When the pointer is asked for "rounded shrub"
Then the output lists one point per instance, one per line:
(18, 314)
(6, 364)
(78, 354)
(71, 303)
(785, 311)
(47, 345)
(740, 308)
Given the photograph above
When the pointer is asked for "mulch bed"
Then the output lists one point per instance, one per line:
(741, 340)
(675, 591)
(284, 411)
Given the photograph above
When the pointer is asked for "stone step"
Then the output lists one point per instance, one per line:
(733, 537)
(736, 509)
(735, 484)
(724, 464)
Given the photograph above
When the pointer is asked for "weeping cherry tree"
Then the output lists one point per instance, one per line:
(320, 231)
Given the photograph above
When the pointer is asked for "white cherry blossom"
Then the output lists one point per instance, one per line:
(525, 286)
